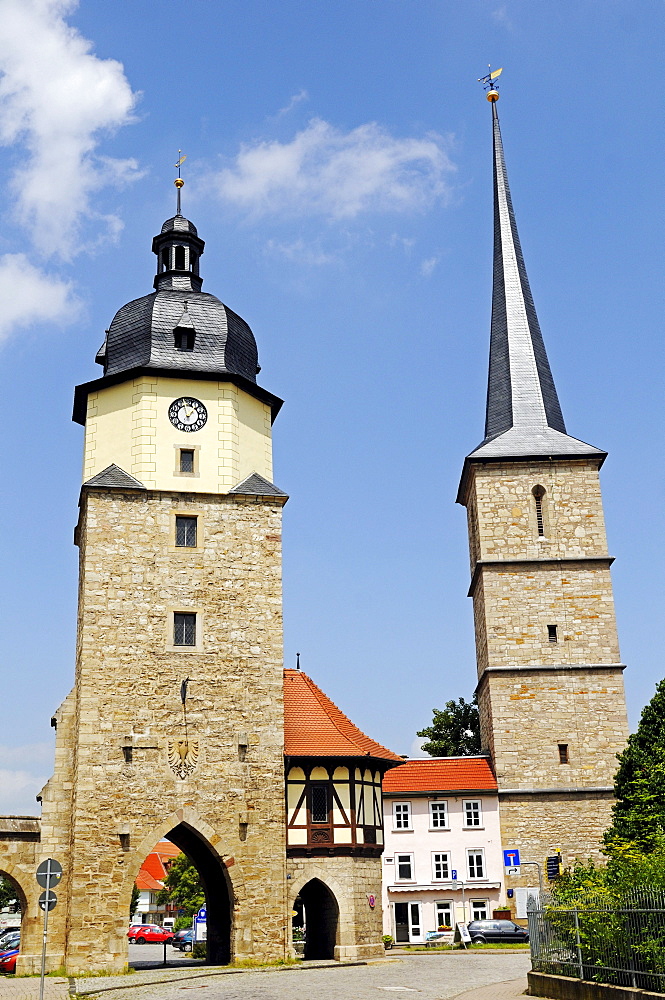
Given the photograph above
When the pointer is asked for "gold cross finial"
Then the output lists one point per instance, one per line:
(179, 183)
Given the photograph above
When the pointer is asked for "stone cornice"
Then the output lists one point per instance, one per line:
(535, 560)
(559, 790)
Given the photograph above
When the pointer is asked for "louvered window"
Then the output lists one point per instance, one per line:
(185, 532)
(319, 803)
(184, 629)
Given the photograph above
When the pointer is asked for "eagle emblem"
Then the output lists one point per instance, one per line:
(183, 756)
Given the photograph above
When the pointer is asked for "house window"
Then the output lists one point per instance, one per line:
(440, 866)
(538, 494)
(444, 915)
(319, 803)
(552, 633)
(479, 909)
(404, 867)
(476, 863)
(186, 459)
(563, 753)
(473, 813)
(402, 816)
(184, 629)
(185, 532)
(438, 815)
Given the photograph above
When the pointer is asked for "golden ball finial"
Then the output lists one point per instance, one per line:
(492, 96)
(179, 182)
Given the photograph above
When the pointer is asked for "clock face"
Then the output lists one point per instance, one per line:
(187, 414)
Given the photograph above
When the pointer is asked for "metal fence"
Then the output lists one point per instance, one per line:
(619, 941)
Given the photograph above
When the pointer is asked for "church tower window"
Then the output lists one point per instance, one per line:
(165, 259)
(179, 263)
(538, 495)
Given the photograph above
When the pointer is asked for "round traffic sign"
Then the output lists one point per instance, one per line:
(49, 873)
(47, 900)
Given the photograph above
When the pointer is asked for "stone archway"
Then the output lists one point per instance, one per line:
(198, 840)
(321, 913)
(219, 897)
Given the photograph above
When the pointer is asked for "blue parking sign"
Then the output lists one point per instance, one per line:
(511, 857)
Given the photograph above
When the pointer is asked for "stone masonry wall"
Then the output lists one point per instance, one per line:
(352, 880)
(128, 707)
(533, 711)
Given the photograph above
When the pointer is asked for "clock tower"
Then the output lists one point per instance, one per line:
(175, 726)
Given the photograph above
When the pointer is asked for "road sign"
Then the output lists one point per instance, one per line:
(47, 900)
(511, 858)
(513, 870)
(49, 873)
(453, 874)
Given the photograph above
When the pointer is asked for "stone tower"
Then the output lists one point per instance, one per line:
(550, 685)
(175, 724)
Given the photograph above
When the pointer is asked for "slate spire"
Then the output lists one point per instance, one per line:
(523, 415)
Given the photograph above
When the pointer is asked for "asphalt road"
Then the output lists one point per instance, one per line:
(149, 955)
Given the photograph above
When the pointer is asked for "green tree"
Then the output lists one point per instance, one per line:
(8, 892)
(455, 730)
(182, 886)
(638, 816)
(135, 900)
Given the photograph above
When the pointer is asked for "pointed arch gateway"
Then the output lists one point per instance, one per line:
(218, 892)
(321, 916)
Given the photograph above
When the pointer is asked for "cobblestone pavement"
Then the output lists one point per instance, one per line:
(27, 988)
(426, 977)
(513, 990)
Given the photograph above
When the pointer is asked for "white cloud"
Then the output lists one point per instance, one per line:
(428, 265)
(296, 99)
(57, 101)
(339, 175)
(501, 16)
(29, 295)
(301, 251)
(19, 786)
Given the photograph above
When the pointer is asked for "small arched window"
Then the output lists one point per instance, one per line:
(179, 259)
(539, 496)
(165, 259)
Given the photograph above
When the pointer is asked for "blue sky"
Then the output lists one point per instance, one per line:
(339, 169)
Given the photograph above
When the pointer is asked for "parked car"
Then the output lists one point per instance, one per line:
(9, 939)
(487, 931)
(148, 934)
(8, 960)
(179, 935)
(186, 942)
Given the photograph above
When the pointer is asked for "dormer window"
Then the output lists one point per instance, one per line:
(184, 339)
(179, 255)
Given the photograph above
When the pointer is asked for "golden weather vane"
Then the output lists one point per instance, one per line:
(489, 84)
(179, 183)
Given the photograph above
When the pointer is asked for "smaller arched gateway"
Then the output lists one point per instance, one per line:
(334, 823)
(320, 920)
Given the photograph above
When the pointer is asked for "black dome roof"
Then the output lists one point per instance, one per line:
(145, 333)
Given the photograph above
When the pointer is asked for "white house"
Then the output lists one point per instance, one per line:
(443, 860)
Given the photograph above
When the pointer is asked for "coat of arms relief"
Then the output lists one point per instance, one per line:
(183, 756)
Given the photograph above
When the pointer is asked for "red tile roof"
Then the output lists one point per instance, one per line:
(153, 865)
(441, 774)
(315, 727)
(146, 883)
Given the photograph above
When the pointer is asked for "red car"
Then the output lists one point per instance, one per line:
(148, 934)
(8, 960)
